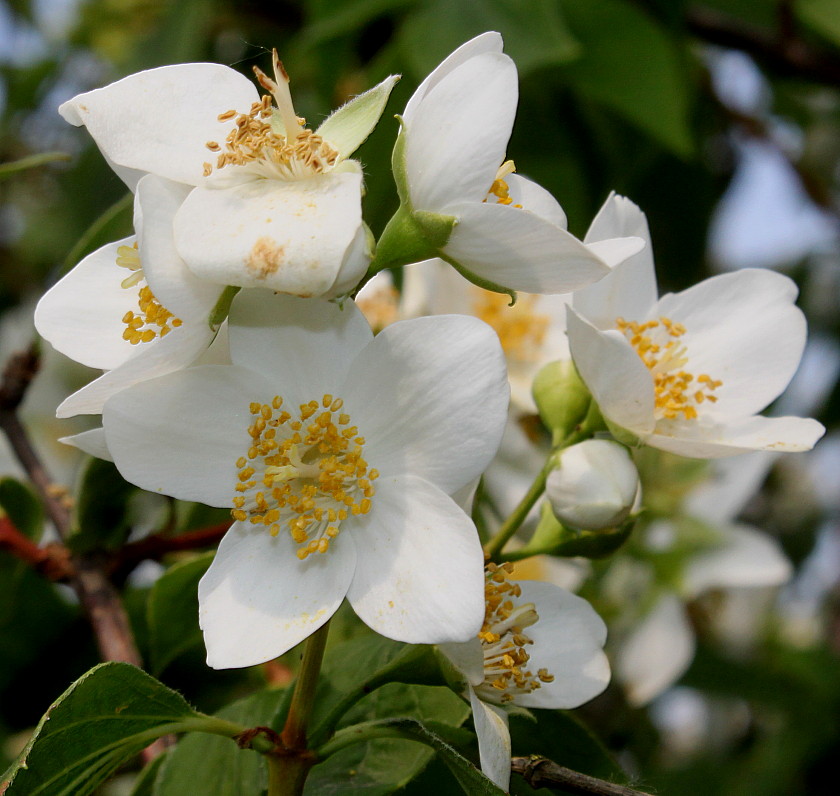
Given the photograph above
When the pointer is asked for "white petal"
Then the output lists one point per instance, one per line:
(747, 557)
(729, 486)
(92, 442)
(307, 343)
(172, 283)
(181, 347)
(81, 315)
(420, 568)
(615, 375)
(491, 727)
(258, 600)
(467, 658)
(789, 434)
(659, 650)
(629, 291)
(743, 329)
(520, 250)
(290, 236)
(430, 396)
(569, 642)
(456, 139)
(535, 199)
(182, 434)
(484, 43)
(159, 120)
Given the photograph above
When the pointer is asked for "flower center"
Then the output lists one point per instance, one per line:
(303, 472)
(153, 320)
(677, 393)
(520, 328)
(503, 641)
(272, 141)
(500, 188)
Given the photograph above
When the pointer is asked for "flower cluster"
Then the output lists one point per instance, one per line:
(346, 434)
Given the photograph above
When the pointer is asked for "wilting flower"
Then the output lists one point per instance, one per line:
(131, 307)
(460, 194)
(689, 372)
(337, 452)
(539, 647)
(273, 204)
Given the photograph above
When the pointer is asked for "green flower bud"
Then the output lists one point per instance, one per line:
(561, 397)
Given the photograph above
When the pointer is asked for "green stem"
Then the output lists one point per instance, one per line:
(287, 772)
(82, 244)
(512, 524)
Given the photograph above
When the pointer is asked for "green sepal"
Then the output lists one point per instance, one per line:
(553, 538)
(410, 237)
(480, 281)
(222, 308)
(348, 127)
(398, 166)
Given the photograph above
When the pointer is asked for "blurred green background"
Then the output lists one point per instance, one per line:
(721, 119)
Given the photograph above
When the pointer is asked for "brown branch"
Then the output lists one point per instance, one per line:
(540, 772)
(100, 600)
(157, 545)
(787, 54)
(52, 560)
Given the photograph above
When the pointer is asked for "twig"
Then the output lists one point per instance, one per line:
(52, 560)
(786, 53)
(540, 772)
(157, 545)
(100, 600)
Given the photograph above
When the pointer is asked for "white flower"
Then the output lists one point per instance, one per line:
(593, 486)
(539, 647)
(273, 204)
(338, 452)
(132, 307)
(657, 649)
(450, 169)
(689, 372)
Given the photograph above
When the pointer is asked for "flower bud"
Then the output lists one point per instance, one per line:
(594, 485)
(561, 397)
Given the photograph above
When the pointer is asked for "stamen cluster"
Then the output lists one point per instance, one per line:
(677, 393)
(254, 141)
(306, 473)
(500, 189)
(503, 639)
(154, 320)
(521, 330)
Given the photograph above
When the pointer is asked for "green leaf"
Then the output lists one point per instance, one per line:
(33, 161)
(101, 518)
(348, 127)
(376, 660)
(631, 64)
(561, 737)
(384, 765)
(144, 785)
(331, 18)
(106, 717)
(823, 16)
(22, 507)
(172, 611)
(534, 31)
(213, 766)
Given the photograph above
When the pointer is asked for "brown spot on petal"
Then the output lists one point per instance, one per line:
(265, 258)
